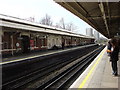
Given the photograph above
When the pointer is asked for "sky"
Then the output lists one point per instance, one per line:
(38, 9)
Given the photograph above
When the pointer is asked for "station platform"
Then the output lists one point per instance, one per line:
(98, 75)
(39, 54)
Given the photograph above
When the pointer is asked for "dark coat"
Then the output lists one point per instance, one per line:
(109, 46)
(114, 54)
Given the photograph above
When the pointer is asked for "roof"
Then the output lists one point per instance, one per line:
(103, 16)
(13, 22)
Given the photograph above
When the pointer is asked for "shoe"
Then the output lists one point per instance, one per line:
(113, 73)
(116, 74)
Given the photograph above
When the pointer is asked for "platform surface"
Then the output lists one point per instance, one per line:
(98, 75)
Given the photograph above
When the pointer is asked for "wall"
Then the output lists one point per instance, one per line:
(54, 40)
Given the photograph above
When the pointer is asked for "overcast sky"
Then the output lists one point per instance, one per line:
(38, 9)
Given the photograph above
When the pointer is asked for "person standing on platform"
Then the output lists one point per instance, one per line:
(109, 48)
(114, 56)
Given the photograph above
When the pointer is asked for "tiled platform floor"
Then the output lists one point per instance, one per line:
(99, 77)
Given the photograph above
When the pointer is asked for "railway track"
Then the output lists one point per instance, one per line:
(24, 80)
(62, 80)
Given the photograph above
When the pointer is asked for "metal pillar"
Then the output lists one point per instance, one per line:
(12, 45)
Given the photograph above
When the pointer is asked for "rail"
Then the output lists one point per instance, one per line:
(60, 81)
(36, 73)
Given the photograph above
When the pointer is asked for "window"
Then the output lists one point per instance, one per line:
(5, 45)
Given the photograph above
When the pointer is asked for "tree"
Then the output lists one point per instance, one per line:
(31, 19)
(46, 20)
(71, 27)
(61, 24)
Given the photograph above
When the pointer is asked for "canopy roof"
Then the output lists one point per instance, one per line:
(103, 16)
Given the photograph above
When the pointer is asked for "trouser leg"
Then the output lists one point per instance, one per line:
(114, 67)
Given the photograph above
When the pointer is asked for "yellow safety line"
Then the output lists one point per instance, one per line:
(90, 72)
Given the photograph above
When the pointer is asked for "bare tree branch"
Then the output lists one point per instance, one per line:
(61, 24)
(71, 27)
(46, 20)
(31, 19)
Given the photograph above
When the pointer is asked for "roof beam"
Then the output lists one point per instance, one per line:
(108, 8)
(70, 8)
(101, 6)
(99, 17)
(81, 7)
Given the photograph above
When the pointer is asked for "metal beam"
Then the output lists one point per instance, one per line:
(86, 14)
(108, 8)
(101, 6)
(99, 17)
(70, 8)
(82, 8)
